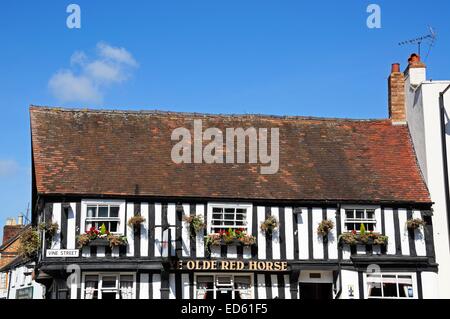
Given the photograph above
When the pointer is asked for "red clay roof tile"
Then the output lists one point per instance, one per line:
(86, 152)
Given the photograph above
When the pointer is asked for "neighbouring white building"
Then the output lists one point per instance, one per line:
(430, 131)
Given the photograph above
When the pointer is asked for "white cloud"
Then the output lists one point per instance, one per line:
(104, 72)
(119, 55)
(88, 79)
(8, 167)
(68, 87)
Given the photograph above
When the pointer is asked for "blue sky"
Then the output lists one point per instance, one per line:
(313, 58)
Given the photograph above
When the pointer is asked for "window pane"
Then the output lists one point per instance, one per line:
(223, 280)
(406, 291)
(242, 280)
(103, 211)
(91, 278)
(370, 214)
(91, 211)
(114, 211)
(370, 227)
(349, 214)
(113, 227)
(126, 278)
(374, 290)
(109, 282)
(229, 216)
(390, 290)
(229, 210)
(350, 226)
(360, 214)
(217, 210)
(205, 279)
(217, 216)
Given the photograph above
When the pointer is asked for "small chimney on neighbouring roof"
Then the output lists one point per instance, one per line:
(11, 229)
(396, 91)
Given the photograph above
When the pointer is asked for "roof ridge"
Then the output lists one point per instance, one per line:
(156, 112)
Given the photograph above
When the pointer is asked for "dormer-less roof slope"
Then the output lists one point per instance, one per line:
(89, 152)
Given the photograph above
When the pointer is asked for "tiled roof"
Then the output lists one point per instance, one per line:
(91, 152)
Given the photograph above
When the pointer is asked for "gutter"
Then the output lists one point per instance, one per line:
(444, 154)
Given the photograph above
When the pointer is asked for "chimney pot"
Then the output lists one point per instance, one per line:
(395, 67)
(414, 58)
(20, 219)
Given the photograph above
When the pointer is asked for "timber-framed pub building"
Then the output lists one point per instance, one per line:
(94, 170)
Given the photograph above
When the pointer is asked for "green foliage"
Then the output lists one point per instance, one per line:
(362, 229)
(103, 230)
(29, 243)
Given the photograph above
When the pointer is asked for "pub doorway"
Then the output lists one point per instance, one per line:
(316, 285)
(316, 291)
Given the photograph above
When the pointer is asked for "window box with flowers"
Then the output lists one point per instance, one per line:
(230, 237)
(370, 238)
(100, 237)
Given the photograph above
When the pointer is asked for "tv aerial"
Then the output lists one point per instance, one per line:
(430, 38)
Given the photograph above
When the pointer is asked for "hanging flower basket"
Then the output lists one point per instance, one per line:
(415, 223)
(270, 225)
(196, 224)
(136, 221)
(49, 229)
(325, 226)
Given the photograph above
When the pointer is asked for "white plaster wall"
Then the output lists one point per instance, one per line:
(349, 279)
(427, 141)
(429, 284)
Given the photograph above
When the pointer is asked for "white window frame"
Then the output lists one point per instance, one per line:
(374, 221)
(247, 206)
(100, 276)
(92, 202)
(413, 279)
(218, 274)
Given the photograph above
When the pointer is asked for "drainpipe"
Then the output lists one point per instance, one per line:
(444, 154)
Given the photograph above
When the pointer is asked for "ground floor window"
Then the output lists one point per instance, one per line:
(109, 286)
(223, 286)
(388, 285)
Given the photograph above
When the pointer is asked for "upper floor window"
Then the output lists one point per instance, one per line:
(388, 285)
(226, 216)
(108, 213)
(354, 217)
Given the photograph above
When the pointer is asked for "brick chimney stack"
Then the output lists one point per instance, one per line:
(396, 91)
(11, 229)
